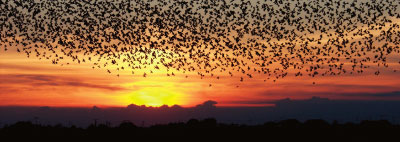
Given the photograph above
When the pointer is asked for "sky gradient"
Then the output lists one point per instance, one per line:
(36, 81)
(33, 82)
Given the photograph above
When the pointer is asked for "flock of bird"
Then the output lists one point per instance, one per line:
(245, 37)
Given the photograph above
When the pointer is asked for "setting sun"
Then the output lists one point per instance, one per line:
(155, 97)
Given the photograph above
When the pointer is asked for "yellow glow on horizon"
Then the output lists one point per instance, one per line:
(155, 97)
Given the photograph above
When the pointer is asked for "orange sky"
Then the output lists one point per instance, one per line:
(33, 82)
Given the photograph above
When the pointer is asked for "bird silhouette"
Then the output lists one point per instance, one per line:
(208, 37)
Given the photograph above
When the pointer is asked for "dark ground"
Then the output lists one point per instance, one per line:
(210, 129)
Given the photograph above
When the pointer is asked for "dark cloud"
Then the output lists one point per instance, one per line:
(338, 86)
(207, 104)
(12, 66)
(252, 102)
(6, 89)
(279, 101)
(28, 67)
(36, 80)
(352, 86)
(34, 77)
(384, 95)
(88, 85)
(299, 90)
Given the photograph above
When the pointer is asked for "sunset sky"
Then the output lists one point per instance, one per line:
(38, 82)
(33, 82)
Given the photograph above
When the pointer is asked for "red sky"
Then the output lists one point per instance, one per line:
(33, 82)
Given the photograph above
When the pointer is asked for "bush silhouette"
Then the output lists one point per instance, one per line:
(291, 129)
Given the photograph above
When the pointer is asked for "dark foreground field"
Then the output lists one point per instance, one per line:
(311, 130)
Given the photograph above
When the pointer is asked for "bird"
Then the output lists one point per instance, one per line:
(282, 38)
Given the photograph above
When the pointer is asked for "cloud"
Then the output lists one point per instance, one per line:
(352, 86)
(46, 78)
(316, 97)
(387, 94)
(251, 102)
(300, 90)
(19, 67)
(208, 104)
(37, 80)
(279, 101)
(88, 85)
(338, 86)
(28, 67)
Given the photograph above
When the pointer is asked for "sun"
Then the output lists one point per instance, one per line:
(155, 97)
